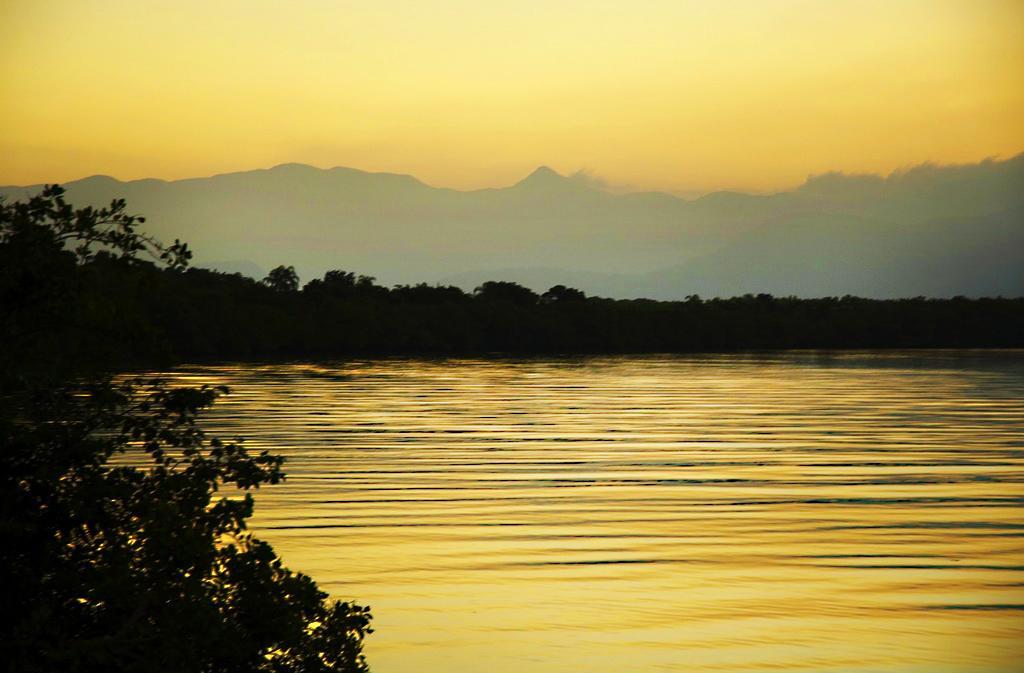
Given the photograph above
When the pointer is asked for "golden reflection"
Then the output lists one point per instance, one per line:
(719, 513)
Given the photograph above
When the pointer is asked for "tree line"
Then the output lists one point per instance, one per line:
(120, 311)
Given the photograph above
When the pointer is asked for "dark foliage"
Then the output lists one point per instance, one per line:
(282, 279)
(118, 551)
(563, 293)
(129, 312)
(135, 565)
(504, 292)
(142, 315)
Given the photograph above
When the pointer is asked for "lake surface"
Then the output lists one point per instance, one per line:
(797, 512)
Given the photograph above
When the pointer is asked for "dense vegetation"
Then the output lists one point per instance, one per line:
(218, 316)
(117, 310)
(118, 552)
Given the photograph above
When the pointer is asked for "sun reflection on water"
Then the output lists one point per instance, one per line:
(800, 512)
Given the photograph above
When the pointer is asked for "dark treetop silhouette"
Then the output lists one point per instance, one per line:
(111, 567)
(117, 310)
(109, 308)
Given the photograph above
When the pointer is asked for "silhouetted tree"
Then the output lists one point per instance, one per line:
(138, 565)
(44, 242)
(561, 293)
(342, 284)
(423, 293)
(110, 567)
(505, 291)
(282, 279)
(47, 222)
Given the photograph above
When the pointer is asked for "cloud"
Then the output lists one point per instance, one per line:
(588, 177)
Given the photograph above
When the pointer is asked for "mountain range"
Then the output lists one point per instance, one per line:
(929, 230)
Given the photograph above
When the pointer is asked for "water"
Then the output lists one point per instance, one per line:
(797, 512)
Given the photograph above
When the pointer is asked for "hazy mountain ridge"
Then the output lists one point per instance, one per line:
(933, 230)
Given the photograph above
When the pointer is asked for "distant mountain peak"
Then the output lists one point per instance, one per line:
(98, 178)
(542, 175)
(295, 167)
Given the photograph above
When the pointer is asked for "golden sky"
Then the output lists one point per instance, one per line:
(667, 94)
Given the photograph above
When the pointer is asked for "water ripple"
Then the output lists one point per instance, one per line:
(799, 512)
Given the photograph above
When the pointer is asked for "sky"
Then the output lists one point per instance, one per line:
(676, 95)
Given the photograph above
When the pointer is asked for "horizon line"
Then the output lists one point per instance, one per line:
(583, 176)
